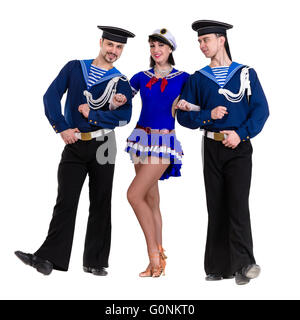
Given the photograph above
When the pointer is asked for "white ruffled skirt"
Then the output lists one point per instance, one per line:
(162, 145)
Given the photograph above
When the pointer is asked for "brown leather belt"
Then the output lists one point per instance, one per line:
(149, 130)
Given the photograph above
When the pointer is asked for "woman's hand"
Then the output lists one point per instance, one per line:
(183, 105)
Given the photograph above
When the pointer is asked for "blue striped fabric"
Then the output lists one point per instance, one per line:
(220, 74)
(95, 74)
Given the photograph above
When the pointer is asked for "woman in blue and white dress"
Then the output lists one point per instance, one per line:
(153, 146)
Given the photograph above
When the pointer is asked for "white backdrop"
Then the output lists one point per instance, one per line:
(37, 39)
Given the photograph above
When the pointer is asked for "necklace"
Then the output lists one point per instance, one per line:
(162, 73)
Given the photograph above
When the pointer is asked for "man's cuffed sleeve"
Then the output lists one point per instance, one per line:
(193, 119)
(259, 111)
(52, 99)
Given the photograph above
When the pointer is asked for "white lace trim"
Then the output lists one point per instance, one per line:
(170, 76)
(156, 149)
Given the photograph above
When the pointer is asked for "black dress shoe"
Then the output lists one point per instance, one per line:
(251, 271)
(247, 273)
(41, 265)
(240, 279)
(213, 277)
(96, 271)
(217, 277)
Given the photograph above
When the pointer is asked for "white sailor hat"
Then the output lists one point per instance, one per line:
(165, 36)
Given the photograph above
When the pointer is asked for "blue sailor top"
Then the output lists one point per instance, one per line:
(247, 118)
(74, 78)
(157, 103)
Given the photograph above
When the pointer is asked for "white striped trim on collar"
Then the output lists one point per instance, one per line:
(170, 76)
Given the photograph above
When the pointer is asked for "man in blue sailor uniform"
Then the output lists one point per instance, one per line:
(226, 100)
(98, 100)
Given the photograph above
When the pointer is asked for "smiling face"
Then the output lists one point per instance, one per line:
(159, 51)
(211, 45)
(110, 50)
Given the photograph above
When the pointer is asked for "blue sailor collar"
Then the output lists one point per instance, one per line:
(86, 65)
(233, 68)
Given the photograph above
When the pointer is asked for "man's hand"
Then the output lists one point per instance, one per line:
(232, 140)
(69, 135)
(84, 109)
(183, 105)
(218, 112)
(118, 100)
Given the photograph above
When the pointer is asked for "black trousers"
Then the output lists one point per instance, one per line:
(227, 175)
(79, 160)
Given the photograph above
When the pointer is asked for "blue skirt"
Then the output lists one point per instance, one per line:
(162, 145)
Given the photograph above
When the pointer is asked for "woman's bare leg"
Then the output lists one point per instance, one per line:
(146, 178)
(153, 200)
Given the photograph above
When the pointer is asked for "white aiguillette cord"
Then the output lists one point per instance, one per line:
(245, 85)
(110, 90)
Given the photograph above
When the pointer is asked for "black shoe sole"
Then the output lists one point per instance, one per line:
(242, 282)
(102, 273)
(219, 278)
(213, 279)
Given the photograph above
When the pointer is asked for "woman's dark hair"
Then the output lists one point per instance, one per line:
(161, 40)
(226, 45)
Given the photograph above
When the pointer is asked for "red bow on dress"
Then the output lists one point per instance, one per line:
(153, 80)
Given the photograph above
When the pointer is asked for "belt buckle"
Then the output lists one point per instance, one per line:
(218, 136)
(86, 136)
